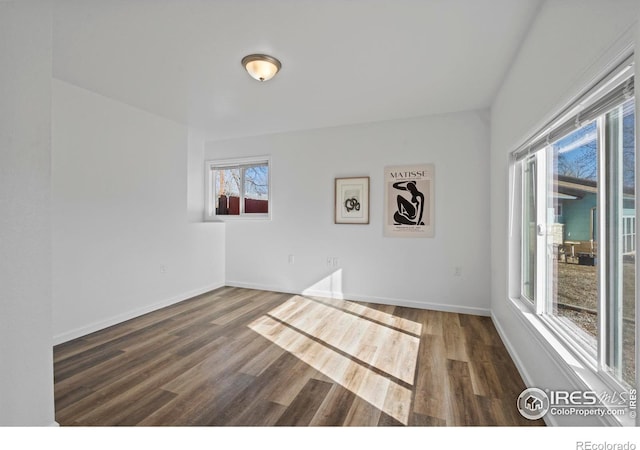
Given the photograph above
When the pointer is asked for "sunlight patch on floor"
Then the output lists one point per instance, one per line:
(366, 351)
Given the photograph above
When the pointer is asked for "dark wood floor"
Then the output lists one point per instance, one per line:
(252, 358)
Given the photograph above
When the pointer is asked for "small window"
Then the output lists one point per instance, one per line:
(238, 188)
(558, 210)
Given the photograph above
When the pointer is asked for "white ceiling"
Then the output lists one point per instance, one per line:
(343, 61)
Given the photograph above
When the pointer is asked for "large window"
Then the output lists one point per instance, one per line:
(238, 188)
(577, 207)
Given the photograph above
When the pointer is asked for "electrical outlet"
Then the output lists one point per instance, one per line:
(329, 261)
(163, 268)
(336, 262)
(292, 259)
(457, 271)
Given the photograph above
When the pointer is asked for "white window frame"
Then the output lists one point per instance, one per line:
(629, 234)
(210, 201)
(564, 335)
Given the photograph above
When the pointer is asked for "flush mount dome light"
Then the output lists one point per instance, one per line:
(261, 67)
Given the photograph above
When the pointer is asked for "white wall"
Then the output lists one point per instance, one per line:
(195, 175)
(413, 272)
(123, 192)
(565, 50)
(26, 362)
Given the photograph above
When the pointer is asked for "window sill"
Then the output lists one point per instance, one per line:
(582, 374)
(256, 217)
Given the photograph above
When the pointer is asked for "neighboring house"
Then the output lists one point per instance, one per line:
(576, 211)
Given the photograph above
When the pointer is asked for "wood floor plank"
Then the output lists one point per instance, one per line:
(485, 379)
(476, 328)
(432, 323)
(420, 420)
(259, 363)
(462, 402)
(301, 411)
(284, 390)
(147, 378)
(68, 366)
(199, 410)
(362, 414)
(237, 313)
(388, 421)
(432, 385)
(71, 396)
(219, 363)
(334, 409)
(243, 357)
(70, 348)
(133, 412)
(257, 392)
(112, 370)
(84, 360)
(226, 390)
(454, 340)
(261, 413)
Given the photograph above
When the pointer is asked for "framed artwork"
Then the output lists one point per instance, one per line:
(352, 200)
(409, 201)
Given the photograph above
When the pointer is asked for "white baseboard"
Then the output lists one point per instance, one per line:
(460, 309)
(526, 377)
(260, 287)
(512, 352)
(101, 324)
(368, 298)
(322, 293)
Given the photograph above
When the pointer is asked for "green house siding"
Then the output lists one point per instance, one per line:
(576, 216)
(629, 207)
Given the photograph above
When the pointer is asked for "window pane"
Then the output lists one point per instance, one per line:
(529, 229)
(621, 220)
(572, 235)
(226, 185)
(256, 189)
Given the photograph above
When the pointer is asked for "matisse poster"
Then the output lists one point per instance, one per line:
(409, 201)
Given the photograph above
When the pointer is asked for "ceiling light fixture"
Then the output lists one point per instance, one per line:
(261, 67)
